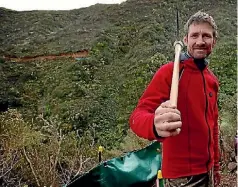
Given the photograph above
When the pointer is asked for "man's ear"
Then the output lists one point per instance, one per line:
(214, 42)
(185, 40)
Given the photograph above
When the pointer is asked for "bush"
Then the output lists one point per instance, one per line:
(44, 155)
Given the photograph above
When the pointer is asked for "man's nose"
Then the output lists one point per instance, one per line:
(200, 40)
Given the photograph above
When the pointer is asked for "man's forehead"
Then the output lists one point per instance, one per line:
(200, 27)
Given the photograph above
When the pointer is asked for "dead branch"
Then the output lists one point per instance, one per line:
(31, 166)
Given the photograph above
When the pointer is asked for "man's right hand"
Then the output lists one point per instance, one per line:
(167, 120)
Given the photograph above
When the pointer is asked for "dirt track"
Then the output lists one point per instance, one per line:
(78, 54)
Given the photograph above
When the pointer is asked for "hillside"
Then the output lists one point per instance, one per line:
(94, 96)
(41, 32)
(127, 43)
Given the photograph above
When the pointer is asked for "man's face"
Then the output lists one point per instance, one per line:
(200, 40)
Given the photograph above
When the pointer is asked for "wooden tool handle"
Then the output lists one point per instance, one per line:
(175, 78)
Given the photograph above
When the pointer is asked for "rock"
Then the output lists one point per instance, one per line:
(232, 166)
(233, 155)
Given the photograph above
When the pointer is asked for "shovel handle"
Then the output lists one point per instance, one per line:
(175, 78)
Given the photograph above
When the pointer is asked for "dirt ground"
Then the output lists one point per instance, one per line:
(228, 180)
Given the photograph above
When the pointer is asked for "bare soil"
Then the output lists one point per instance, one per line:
(228, 180)
(78, 54)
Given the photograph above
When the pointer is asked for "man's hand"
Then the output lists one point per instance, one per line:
(167, 120)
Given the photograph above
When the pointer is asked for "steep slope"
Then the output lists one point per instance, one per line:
(127, 43)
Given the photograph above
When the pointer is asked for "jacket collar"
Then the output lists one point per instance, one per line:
(200, 64)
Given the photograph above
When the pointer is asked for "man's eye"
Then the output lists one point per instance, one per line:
(194, 35)
(207, 36)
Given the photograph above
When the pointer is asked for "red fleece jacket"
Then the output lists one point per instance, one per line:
(195, 150)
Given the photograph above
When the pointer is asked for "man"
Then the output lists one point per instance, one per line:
(189, 132)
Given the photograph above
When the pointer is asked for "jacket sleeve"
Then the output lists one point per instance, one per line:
(216, 141)
(142, 118)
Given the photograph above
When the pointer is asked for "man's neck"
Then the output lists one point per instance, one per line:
(201, 63)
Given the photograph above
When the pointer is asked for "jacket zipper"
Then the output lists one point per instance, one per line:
(181, 72)
(209, 132)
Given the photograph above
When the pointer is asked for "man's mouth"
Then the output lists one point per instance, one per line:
(200, 49)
